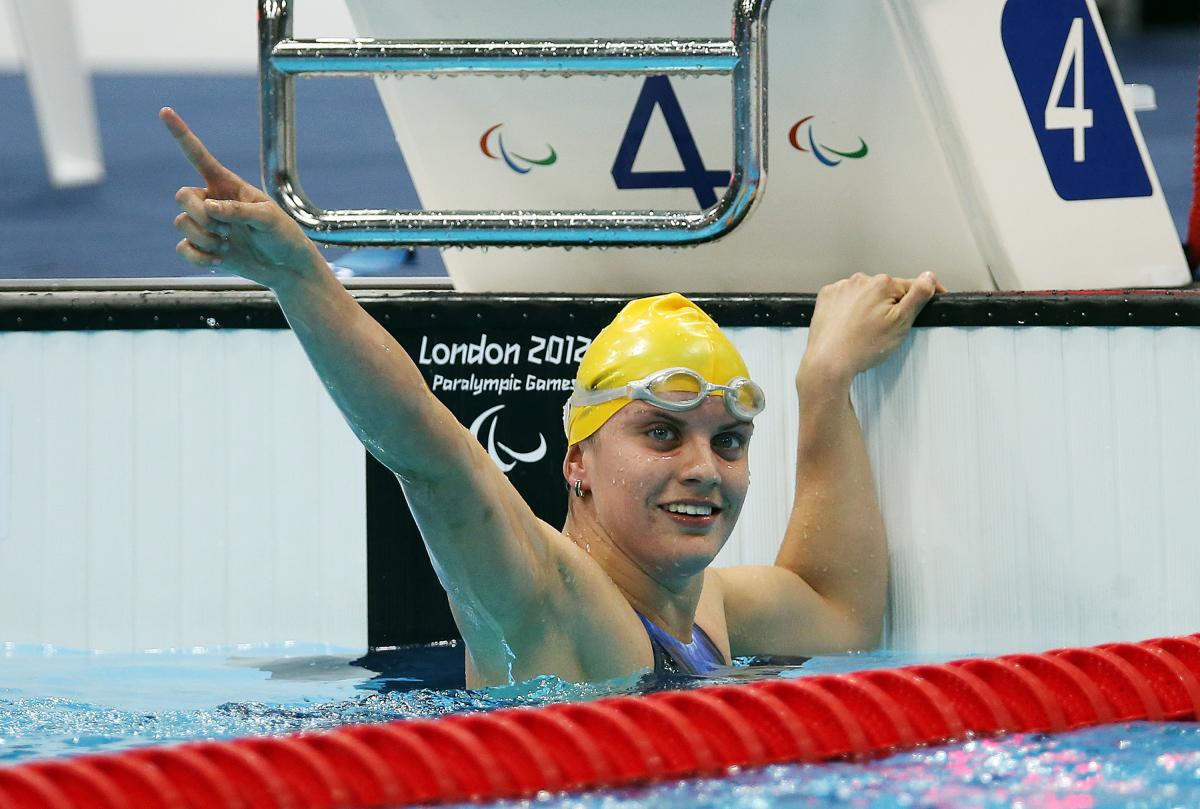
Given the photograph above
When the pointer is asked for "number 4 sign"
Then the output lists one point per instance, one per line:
(1073, 100)
(1076, 117)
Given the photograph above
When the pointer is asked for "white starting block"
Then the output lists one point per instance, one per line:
(989, 141)
(62, 95)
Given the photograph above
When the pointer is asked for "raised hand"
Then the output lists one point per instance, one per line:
(230, 223)
(860, 320)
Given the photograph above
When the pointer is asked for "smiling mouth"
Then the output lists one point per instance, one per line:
(691, 510)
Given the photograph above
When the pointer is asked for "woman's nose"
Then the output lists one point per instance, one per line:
(701, 464)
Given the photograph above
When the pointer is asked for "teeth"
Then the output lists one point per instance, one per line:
(681, 508)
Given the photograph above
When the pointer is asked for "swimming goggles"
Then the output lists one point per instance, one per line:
(677, 390)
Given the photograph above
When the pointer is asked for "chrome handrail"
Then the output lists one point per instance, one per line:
(281, 58)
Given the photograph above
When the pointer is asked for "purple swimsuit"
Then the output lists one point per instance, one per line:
(671, 656)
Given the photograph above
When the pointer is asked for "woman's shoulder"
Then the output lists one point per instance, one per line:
(710, 611)
(589, 609)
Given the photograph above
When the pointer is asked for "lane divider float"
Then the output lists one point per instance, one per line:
(623, 741)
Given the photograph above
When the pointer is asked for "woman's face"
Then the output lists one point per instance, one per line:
(668, 487)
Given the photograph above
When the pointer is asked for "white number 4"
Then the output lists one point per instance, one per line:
(1076, 117)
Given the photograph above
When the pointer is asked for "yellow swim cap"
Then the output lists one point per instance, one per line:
(647, 336)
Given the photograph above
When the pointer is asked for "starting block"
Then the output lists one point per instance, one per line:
(990, 141)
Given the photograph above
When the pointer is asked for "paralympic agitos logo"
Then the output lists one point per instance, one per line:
(821, 151)
(515, 161)
(503, 456)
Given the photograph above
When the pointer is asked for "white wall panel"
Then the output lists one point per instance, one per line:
(179, 488)
(5, 472)
(296, 468)
(249, 495)
(20, 595)
(158, 469)
(108, 491)
(64, 545)
(175, 489)
(204, 532)
(340, 525)
(1178, 372)
(1093, 493)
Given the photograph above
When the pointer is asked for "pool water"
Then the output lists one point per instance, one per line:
(57, 703)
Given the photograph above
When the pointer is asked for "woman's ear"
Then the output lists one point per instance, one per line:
(574, 465)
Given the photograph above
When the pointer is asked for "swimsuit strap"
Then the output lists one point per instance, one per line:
(672, 656)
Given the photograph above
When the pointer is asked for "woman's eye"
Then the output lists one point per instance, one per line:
(661, 432)
(729, 441)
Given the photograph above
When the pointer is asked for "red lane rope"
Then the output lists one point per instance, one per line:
(1193, 234)
(620, 741)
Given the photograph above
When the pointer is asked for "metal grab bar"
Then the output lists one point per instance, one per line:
(574, 57)
(281, 58)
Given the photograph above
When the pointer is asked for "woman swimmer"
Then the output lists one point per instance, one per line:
(658, 428)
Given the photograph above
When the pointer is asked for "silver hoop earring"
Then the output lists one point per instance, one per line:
(578, 487)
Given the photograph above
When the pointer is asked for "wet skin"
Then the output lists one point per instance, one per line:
(640, 463)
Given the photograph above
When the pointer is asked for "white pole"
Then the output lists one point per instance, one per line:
(61, 91)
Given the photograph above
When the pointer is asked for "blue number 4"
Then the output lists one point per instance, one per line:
(657, 92)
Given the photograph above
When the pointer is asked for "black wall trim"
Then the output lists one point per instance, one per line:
(72, 311)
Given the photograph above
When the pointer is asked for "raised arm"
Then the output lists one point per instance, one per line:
(828, 589)
(487, 545)
(231, 224)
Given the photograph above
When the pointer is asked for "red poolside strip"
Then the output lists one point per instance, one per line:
(1193, 234)
(518, 752)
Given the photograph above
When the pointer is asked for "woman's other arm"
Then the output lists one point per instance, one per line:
(828, 589)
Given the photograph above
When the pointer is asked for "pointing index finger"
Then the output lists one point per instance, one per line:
(191, 146)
